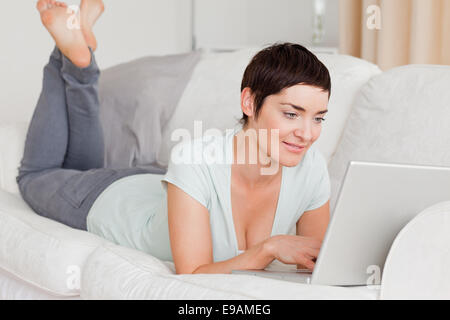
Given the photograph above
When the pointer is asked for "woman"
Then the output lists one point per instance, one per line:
(213, 218)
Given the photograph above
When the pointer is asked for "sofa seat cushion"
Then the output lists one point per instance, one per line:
(115, 272)
(399, 116)
(40, 251)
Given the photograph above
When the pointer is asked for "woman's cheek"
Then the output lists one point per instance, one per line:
(317, 133)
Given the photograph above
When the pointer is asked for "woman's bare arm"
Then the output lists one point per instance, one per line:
(314, 224)
(191, 240)
(189, 231)
(257, 257)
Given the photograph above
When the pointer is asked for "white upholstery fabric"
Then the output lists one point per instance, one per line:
(418, 263)
(114, 272)
(213, 96)
(40, 251)
(12, 141)
(13, 288)
(400, 116)
(348, 76)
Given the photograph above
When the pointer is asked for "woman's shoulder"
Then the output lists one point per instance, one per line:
(191, 166)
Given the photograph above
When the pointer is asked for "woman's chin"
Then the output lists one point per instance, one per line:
(291, 160)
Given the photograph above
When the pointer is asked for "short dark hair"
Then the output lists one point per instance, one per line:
(280, 66)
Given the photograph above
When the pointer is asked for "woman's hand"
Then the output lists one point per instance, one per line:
(290, 249)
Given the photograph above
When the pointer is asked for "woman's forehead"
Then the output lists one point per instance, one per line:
(303, 95)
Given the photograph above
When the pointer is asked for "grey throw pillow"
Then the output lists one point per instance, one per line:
(136, 101)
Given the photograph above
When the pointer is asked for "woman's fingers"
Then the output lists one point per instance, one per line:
(312, 252)
(307, 257)
(298, 250)
(306, 261)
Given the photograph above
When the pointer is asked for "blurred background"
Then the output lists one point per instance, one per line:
(385, 32)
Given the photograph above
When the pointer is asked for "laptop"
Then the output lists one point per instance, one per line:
(375, 201)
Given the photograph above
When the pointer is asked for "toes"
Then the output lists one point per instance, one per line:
(102, 6)
(52, 3)
(61, 4)
(42, 5)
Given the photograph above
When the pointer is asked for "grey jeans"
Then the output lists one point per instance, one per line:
(62, 170)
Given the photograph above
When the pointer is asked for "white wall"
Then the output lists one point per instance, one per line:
(134, 28)
(240, 23)
(127, 30)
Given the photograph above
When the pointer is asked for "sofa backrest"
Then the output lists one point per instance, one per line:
(136, 100)
(212, 96)
(399, 116)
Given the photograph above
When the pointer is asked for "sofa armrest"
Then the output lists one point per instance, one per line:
(40, 251)
(12, 141)
(418, 263)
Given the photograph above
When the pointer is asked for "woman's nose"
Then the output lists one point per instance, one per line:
(304, 131)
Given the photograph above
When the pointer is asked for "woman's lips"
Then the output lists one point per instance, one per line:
(293, 147)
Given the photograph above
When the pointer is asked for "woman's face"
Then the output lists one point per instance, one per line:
(298, 113)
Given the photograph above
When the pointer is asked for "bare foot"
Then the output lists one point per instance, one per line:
(90, 11)
(70, 40)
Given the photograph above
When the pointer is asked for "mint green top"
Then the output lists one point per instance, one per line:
(132, 211)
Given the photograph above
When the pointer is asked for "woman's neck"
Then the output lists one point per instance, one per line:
(248, 171)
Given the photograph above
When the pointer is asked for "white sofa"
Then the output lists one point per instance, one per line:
(373, 116)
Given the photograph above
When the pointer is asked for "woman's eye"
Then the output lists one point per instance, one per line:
(320, 120)
(291, 115)
(294, 115)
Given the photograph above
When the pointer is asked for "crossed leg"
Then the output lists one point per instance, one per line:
(62, 170)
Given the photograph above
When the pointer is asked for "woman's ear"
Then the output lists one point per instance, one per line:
(247, 102)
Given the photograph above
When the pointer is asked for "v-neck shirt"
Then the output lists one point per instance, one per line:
(133, 210)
